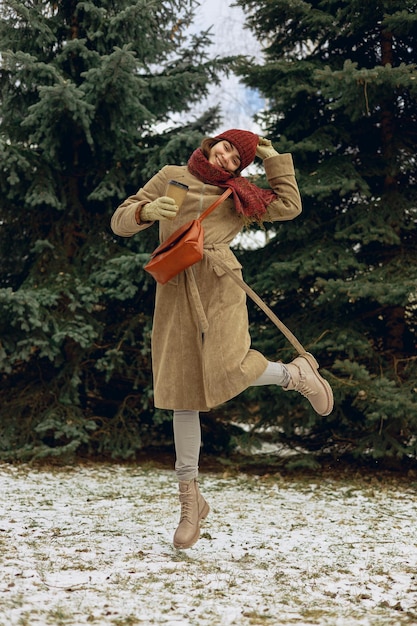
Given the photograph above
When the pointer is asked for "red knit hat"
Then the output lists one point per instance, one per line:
(244, 141)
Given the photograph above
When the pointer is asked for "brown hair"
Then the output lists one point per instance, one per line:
(206, 146)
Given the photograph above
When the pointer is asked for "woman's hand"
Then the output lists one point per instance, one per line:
(265, 149)
(163, 208)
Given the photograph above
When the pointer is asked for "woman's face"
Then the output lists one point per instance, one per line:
(225, 155)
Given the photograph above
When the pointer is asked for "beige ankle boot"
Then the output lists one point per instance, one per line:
(306, 380)
(193, 509)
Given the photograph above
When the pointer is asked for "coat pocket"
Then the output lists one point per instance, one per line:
(231, 262)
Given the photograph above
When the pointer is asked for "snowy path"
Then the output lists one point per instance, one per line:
(92, 545)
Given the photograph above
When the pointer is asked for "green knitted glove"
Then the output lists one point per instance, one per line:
(163, 208)
(265, 149)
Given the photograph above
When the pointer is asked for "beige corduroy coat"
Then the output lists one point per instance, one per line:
(201, 354)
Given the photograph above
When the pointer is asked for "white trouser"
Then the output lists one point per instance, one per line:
(187, 439)
(187, 430)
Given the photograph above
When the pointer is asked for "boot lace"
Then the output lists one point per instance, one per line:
(186, 506)
(304, 389)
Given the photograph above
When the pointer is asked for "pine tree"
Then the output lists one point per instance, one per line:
(86, 91)
(340, 83)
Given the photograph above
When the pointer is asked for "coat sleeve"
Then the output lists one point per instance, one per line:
(123, 221)
(281, 177)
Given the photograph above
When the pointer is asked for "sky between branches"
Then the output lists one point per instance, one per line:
(238, 103)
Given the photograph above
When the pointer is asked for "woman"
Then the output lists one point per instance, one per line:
(200, 340)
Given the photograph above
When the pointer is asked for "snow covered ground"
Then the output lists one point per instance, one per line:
(92, 545)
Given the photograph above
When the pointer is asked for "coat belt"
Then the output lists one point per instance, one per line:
(194, 292)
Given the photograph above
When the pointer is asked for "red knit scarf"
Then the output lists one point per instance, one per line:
(250, 200)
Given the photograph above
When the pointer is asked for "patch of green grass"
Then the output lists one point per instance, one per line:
(129, 620)
(256, 617)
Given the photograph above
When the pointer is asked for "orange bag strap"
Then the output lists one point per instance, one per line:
(215, 204)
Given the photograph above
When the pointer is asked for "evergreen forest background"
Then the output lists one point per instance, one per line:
(89, 94)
